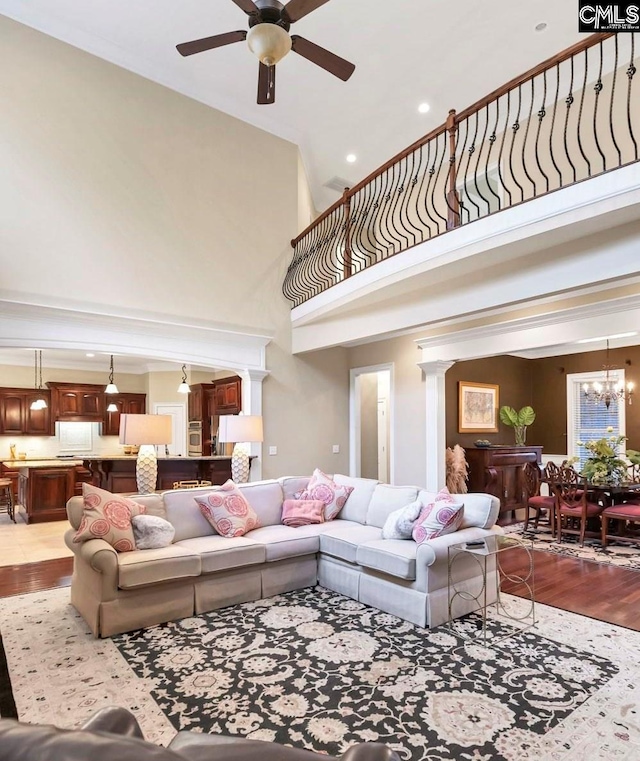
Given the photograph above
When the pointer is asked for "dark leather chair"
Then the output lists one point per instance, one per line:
(113, 734)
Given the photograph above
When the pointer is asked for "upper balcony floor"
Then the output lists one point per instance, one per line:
(525, 200)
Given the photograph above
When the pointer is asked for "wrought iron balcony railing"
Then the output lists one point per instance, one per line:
(570, 118)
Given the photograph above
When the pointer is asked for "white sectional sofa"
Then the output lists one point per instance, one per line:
(202, 571)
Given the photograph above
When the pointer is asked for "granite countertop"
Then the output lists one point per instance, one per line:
(98, 457)
(51, 462)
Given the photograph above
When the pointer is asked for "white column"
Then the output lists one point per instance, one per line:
(435, 423)
(252, 405)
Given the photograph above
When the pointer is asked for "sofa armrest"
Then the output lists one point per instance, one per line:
(370, 752)
(115, 720)
(437, 549)
(100, 555)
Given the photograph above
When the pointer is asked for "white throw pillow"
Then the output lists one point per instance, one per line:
(152, 532)
(399, 524)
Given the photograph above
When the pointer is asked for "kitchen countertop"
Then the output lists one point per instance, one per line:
(134, 457)
(51, 462)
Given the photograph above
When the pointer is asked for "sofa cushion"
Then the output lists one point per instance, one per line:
(152, 532)
(359, 499)
(396, 557)
(217, 553)
(343, 541)
(265, 497)
(184, 513)
(292, 485)
(322, 487)
(142, 567)
(287, 542)
(108, 516)
(386, 499)
(228, 511)
(480, 510)
(302, 512)
(443, 515)
(399, 524)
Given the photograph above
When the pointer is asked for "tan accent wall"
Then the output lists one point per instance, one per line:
(125, 196)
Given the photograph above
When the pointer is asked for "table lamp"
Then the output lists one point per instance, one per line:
(240, 430)
(146, 431)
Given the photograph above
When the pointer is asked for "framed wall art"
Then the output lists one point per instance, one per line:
(478, 405)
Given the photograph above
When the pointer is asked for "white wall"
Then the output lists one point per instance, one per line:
(118, 196)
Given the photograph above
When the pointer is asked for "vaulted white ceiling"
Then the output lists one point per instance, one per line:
(406, 52)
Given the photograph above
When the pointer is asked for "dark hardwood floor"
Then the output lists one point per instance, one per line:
(595, 590)
(32, 577)
(591, 589)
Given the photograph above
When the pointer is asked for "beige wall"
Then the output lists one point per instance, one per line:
(22, 377)
(408, 401)
(117, 194)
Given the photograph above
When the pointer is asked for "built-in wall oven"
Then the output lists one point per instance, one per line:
(194, 436)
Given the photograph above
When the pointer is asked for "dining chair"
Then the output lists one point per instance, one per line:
(534, 500)
(573, 509)
(626, 516)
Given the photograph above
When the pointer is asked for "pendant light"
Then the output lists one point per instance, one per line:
(40, 403)
(111, 386)
(184, 387)
(112, 407)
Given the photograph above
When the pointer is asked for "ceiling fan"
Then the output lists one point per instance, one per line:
(268, 38)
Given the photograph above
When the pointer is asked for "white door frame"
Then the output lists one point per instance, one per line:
(354, 417)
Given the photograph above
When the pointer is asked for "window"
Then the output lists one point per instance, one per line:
(586, 420)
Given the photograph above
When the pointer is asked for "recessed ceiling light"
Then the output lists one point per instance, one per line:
(541, 26)
(89, 354)
(424, 108)
(352, 158)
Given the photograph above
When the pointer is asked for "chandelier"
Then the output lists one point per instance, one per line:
(611, 389)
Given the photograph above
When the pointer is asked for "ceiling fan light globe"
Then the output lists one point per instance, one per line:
(269, 43)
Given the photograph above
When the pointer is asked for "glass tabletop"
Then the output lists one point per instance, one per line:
(490, 545)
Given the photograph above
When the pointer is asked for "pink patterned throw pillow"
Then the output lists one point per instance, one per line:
(442, 516)
(323, 488)
(302, 512)
(228, 511)
(108, 516)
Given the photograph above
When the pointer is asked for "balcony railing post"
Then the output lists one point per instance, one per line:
(346, 202)
(453, 202)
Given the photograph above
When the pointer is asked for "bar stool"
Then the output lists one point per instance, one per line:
(6, 498)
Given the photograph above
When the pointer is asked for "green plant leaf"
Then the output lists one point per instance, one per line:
(526, 416)
(508, 416)
(633, 455)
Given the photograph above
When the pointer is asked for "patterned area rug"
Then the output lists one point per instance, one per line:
(621, 555)
(317, 670)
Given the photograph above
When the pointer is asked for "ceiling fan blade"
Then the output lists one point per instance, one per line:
(248, 6)
(321, 57)
(266, 84)
(208, 43)
(297, 9)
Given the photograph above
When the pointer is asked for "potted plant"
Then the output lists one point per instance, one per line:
(604, 464)
(518, 421)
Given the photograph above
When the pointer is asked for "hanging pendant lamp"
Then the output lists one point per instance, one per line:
(111, 386)
(184, 387)
(40, 403)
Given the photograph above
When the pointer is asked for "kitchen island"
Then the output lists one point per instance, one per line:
(45, 485)
(118, 473)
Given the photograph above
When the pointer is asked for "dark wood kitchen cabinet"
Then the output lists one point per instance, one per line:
(227, 397)
(499, 471)
(127, 404)
(18, 419)
(77, 402)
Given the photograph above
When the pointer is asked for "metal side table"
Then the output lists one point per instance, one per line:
(487, 555)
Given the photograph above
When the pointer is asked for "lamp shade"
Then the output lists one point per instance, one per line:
(244, 428)
(145, 429)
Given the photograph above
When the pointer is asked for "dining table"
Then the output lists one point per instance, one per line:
(612, 494)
